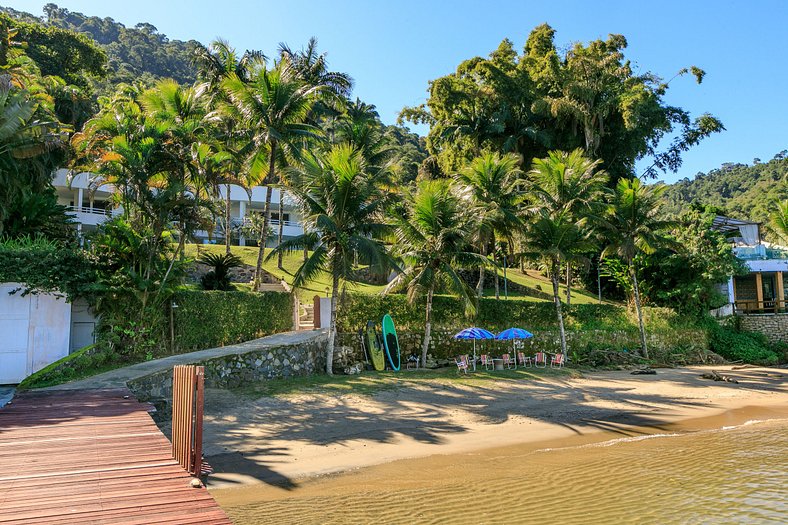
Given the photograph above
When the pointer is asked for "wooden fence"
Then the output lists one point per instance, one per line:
(188, 396)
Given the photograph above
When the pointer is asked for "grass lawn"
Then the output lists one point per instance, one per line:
(292, 261)
(370, 382)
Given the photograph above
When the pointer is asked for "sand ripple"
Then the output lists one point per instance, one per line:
(735, 475)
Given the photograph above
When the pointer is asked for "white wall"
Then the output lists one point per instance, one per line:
(34, 332)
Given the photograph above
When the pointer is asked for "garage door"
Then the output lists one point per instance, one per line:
(14, 324)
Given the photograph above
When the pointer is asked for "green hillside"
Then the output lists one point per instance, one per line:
(742, 191)
(134, 53)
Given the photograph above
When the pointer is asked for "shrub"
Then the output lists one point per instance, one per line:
(218, 278)
(205, 319)
(737, 345)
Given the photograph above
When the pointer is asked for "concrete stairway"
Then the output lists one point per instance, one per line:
(306, 319)
(267, 287)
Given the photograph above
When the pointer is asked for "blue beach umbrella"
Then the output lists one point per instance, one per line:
(514, 333)
(473, 334)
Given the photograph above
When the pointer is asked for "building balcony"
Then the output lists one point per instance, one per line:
(89, 216)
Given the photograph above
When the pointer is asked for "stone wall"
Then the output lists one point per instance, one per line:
(232, 371)
(773, 326)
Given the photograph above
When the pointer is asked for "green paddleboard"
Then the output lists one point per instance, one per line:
(391, 342)
(373, 347)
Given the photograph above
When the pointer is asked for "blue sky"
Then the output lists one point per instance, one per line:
(392, 49)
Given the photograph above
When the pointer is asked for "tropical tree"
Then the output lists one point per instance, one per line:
(215, 63)
(493, 185)
(274, 105)
(553, 237)
(433, 234)
(778, 219)
(571, 185)
(632, 225)
(342, 206)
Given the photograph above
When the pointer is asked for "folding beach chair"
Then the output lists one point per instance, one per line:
(540, 360)
(462, 363)
(557, 361)
(487, 361)
(524, 360)
(508, 362)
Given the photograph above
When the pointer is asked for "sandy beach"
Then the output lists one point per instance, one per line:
(284, 441)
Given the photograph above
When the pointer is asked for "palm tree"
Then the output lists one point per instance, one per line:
(779, 219)
(493, 184)
(632, 226)
(433, 233)
(568, 183)
(342, 205)
(552, 238)
(274, 105)
(215, 63)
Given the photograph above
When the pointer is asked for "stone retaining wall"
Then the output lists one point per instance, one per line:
(231, 371)
(691, 344)
(773, 326)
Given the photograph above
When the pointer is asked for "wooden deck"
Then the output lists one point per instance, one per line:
(92, 457)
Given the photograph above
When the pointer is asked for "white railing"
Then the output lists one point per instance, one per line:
(89, 210)
(272, 222)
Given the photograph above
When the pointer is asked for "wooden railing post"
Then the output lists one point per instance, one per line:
(188, 401)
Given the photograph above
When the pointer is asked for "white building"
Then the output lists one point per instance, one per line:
(92, 206)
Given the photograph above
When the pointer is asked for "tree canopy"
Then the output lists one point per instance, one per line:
(543, 99)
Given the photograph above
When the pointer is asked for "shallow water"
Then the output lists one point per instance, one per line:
(734, 474)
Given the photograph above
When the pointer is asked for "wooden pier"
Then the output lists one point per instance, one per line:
(92, 457)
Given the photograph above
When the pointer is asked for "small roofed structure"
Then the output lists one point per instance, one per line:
(740, 232)
(764, 290)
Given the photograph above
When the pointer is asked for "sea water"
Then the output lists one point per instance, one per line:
(733, 474)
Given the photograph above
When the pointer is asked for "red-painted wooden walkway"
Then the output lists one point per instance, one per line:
(92, 457)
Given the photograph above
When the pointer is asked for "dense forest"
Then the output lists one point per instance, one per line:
(138, 53)
(739, 190)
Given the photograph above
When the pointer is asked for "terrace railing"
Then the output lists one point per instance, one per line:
(770, 306)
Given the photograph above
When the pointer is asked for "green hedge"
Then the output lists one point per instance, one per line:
(736, 345)
(206, 319)
(496, 315)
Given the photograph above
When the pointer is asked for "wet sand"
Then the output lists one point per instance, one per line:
(279, 445)
(727, 468)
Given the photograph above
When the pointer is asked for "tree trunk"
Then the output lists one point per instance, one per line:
(281, 229)
(636, 291)
(266, 217)
(480, 284)
(306, 253)
(427, 327)
(554, 273)
(332, 327)
(227, 219)
(568, 284)
(497, 285)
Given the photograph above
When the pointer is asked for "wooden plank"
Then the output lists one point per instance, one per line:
(92, 457)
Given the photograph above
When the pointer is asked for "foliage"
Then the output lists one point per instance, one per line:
(588, 96)
(449, 312)
(218, 278)
(42, 265)
(68, 54)
(687, 280)
(737, 190)
(133, 53)
(208, 319)
(737, 345)
(631, 226)
(82, 363)
(342, 206)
